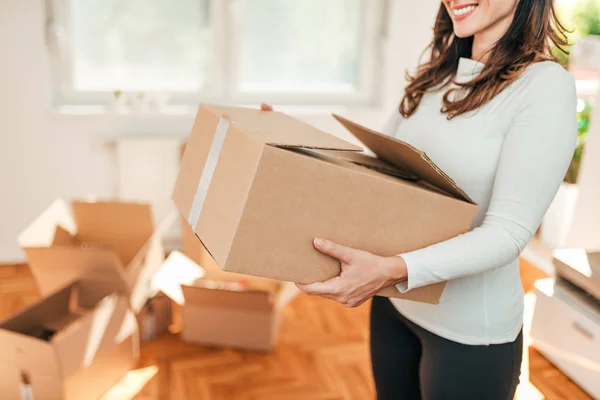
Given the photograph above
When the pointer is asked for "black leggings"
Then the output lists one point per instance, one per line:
(412, 363)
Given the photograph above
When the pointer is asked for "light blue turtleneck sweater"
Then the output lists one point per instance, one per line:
(510, 157)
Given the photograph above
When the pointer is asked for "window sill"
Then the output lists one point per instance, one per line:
(176, 121)
(189, 111)
(100, 110)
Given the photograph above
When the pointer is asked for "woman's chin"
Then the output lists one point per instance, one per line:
(463, 33)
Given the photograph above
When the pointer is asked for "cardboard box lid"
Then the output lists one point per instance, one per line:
(278, 129)
(405, 157)
(122, 226)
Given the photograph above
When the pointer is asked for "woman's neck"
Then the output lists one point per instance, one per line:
(480, 50)
(485, 40)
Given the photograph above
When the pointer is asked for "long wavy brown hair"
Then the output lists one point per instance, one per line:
(535, 29)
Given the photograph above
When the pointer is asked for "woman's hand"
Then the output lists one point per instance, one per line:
(363, 274)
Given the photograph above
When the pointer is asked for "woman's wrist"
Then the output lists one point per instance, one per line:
(395, 270)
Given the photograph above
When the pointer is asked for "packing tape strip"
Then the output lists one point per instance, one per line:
(208, 172)
(26, 392)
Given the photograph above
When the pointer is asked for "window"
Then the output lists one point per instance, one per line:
(234, 51)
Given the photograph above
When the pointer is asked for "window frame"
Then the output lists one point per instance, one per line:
(225, 17)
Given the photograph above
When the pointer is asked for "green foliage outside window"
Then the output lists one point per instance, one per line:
(582, 19)
(583, 122)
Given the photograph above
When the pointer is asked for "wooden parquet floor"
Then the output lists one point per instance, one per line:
(322, 354)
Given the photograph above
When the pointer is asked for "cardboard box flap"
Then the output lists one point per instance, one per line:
(63, 237)
(41, 232)
(405, 157)
(78, 344)
(278, 129)
(227, 299)
(53, 267)
(124, 227)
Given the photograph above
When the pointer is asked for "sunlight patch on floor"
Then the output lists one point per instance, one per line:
(526, 390)
(131, 384)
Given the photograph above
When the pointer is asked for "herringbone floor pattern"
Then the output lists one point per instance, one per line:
(322, 354)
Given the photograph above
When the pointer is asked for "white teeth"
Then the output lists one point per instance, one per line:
(463, 11)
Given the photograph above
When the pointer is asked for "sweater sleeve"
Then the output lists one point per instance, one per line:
(535, 155)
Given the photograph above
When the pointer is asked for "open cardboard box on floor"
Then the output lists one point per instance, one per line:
(257, 188)
(102, 241)
(73, 344)
(225, 309)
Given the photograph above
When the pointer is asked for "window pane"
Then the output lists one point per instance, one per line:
(308, 45)
(140, 45)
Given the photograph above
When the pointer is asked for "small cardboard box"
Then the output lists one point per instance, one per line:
(225, 309)
(73, 344)
(258, 187)
(111, 242)
(156, 317)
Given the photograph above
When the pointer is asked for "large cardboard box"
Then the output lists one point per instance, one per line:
(257, 187)
(73, 344)
(110, 242)
(225, 309)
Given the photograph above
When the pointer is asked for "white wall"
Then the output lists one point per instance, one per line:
(585, 230)
(44, 155)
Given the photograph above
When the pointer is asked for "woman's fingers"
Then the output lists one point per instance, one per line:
(317, 288)
(342, 253)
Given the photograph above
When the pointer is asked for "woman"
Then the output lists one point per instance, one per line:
(495, 111)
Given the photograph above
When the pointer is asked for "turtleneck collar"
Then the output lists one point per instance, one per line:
(468, 69)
